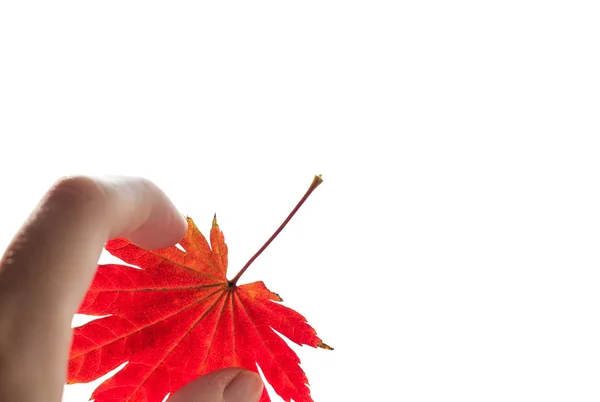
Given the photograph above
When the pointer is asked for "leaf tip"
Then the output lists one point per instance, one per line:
(325, 346)
(214, 222)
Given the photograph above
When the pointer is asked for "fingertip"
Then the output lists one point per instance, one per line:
(160, 231)
(143, 213)
(225, 385)
(245, 387)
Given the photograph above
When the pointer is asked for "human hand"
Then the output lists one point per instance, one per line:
(46, 270)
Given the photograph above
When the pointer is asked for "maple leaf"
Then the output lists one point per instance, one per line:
(178, 317)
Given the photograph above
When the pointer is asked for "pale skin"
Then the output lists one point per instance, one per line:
(47, 268)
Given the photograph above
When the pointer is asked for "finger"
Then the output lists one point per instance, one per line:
(47, 268)
(54, 256)
(227, 385)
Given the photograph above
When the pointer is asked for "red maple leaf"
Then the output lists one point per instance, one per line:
(178, 317)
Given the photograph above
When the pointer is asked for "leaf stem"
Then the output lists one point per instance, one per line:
(315, 183)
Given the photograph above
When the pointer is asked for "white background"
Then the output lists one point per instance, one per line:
(452, 251)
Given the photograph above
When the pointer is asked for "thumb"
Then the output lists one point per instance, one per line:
(227, 385)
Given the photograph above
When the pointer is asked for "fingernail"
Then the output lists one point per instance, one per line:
(245, 387)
